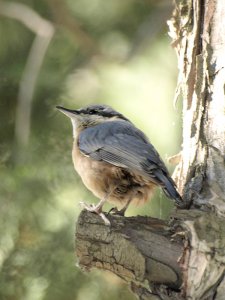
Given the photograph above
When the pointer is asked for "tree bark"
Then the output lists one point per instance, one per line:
(137, 249)
(184, 258)
(198, 32)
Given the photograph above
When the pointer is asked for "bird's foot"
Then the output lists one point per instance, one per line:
(96, 209)
(91, 207)
(116, 211)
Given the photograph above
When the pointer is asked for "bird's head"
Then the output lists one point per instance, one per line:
(90, 116)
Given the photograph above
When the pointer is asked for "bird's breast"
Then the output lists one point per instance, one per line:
(96, 175)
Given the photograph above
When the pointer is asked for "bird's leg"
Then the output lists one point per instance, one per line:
(122, 211)
(98, 208)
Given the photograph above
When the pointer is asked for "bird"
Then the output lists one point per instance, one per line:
(115, 160)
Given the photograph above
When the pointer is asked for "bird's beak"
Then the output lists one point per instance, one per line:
(68, 112)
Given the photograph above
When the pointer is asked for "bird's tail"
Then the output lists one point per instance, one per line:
(169, 188)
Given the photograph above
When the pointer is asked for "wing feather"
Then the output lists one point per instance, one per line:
(123, 145)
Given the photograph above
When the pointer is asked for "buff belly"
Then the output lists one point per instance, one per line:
(104, 179)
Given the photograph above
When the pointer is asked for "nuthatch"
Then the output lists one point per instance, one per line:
(115, 160)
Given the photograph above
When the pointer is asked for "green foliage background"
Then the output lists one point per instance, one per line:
(113, 52)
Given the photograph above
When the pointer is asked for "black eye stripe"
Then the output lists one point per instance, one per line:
(91, 112)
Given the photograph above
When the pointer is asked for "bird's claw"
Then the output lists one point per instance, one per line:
(116, 211)
(95, 209)
(105, 219)
(91, 207)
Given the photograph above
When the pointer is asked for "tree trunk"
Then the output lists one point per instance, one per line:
(185, 258)
(198, 31)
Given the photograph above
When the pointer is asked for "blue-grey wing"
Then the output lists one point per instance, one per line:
(123, 145)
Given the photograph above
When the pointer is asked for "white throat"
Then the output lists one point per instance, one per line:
(74, 124)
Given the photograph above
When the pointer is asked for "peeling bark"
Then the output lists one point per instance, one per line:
(198, 32)
(205, 267)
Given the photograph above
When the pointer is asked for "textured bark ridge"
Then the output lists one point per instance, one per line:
(198, 33)
(143, 251)
(203, 274)
(182, 259)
